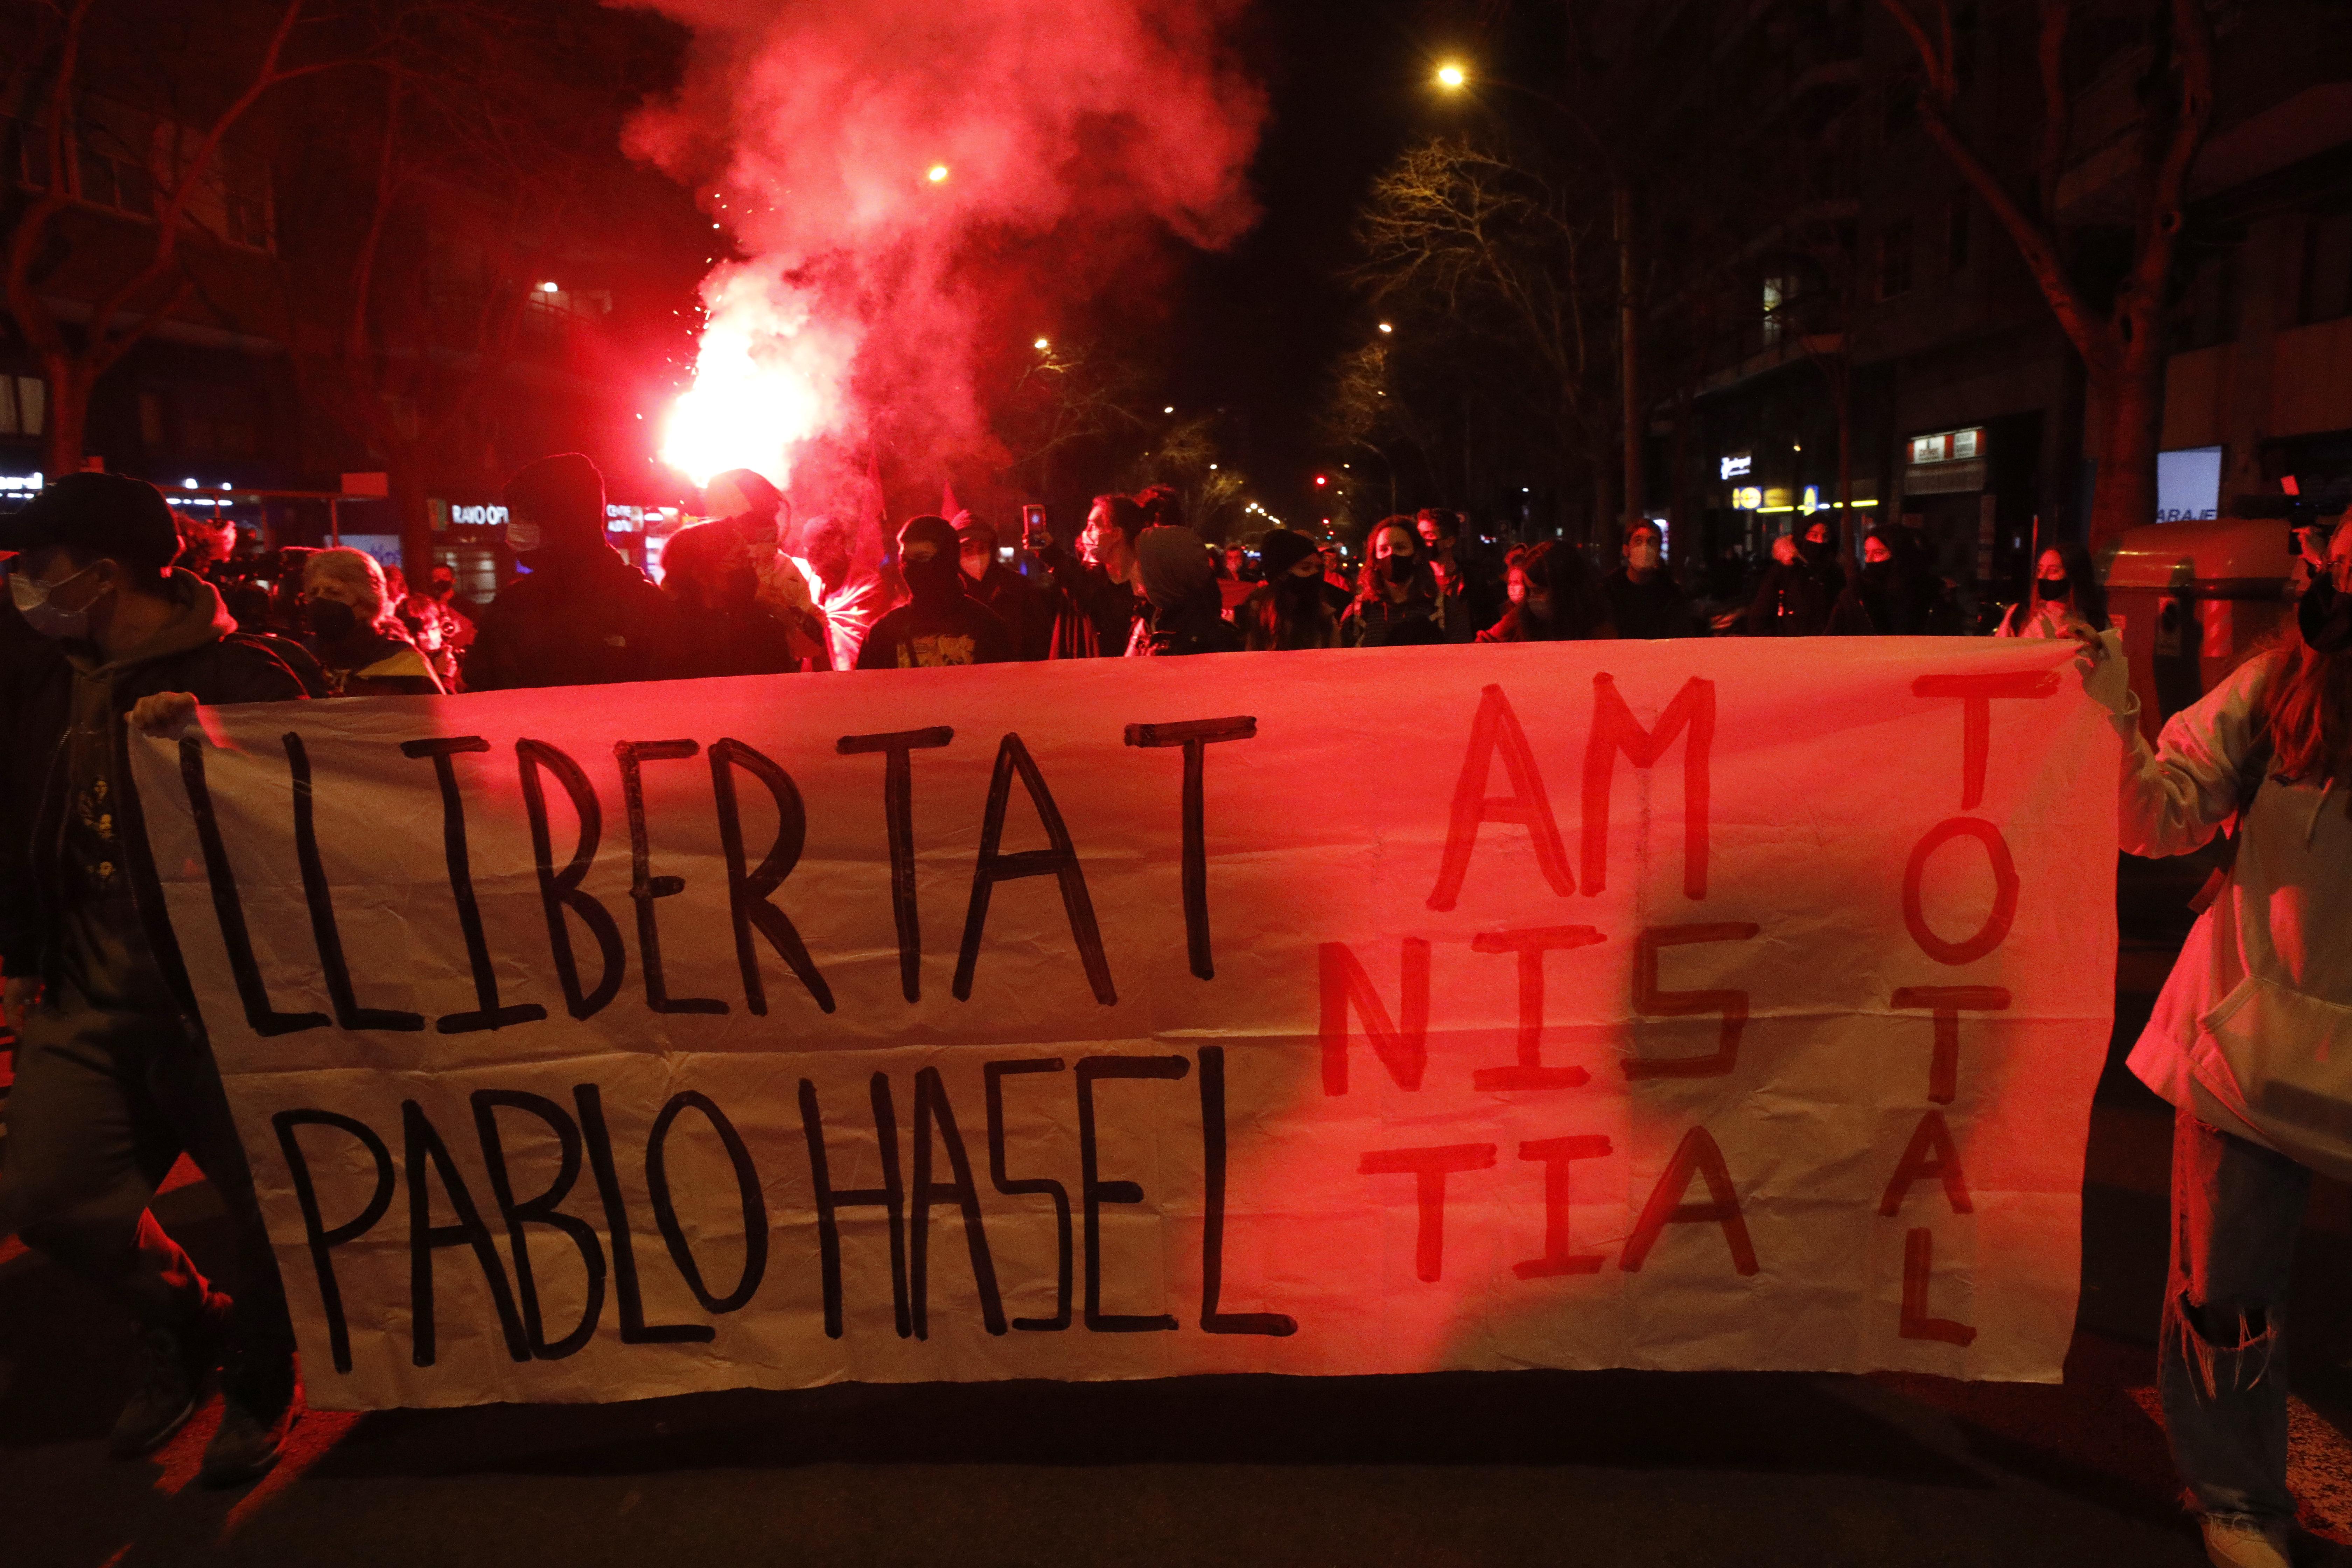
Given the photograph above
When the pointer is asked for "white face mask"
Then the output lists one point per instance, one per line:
(522, 537)
(32, 600)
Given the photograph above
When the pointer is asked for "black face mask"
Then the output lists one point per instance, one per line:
(331, 620)
(1300, 587)
(934, 578)
(2054, 588)
(1400, 568)
(1878, 570)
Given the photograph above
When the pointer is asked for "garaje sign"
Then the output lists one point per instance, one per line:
(1577, 1004)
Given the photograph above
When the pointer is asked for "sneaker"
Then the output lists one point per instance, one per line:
(256, 1412)
(2246, 1544)
(172, 1365)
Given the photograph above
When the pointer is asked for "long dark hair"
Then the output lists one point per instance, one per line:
(1370, 579)
(2306, 710)
(1577, 608)
(2090, 596)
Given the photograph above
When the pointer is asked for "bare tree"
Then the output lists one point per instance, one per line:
(158, 282)
(1507, 261)
(2121, 342)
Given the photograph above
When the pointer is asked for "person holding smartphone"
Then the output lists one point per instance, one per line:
(1098, 605)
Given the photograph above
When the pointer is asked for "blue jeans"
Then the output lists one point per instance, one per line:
(2221, 1366)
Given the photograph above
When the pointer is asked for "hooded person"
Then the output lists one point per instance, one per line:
(1184, 612)
(854, 593)
(1289, 609)
(355, 635)
(113, 1075)
(1013, 598)
(745, 606)
(1875, 602)
(580, 615)
(941, 624)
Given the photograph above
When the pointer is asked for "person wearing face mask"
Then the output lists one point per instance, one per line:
(583, 616)
(941, 624)
(1556, 596)
(1289, 609)
(1397, 601)
(354, 635)
(1644, 600)
(2066, 598)
(1874, 604)
(448, 631)
(1469, 595)
(113, 1078)
(744, 607)
(2246, 1041)
(1012, 598)
(1184, 612)
(1097, 609)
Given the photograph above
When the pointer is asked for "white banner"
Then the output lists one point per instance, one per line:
(1706, 1004)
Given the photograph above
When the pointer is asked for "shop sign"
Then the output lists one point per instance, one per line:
(1736, 465)
(1949, 447)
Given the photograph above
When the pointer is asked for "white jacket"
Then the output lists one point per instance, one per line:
(2265, 978)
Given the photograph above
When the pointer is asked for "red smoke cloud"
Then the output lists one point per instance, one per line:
(912, 186)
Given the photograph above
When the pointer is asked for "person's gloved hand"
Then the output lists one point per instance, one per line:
(2107, 674)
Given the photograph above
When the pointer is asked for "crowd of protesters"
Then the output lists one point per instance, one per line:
(123, 617)
(746, 593)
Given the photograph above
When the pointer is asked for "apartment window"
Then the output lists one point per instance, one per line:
(1779, 294)
(24, 405)
(1895, 247)
(217, 422)
(108, 172)
(1956, 236)
(2327, 267)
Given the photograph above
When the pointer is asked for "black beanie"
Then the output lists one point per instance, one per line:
(1281, 550)
(565, 497)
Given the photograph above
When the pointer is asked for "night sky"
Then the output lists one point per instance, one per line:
(1261, 324)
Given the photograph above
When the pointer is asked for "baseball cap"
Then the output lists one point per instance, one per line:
(111, 515)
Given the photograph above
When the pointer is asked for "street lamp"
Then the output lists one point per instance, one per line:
(937, 173)
(1042, 345)
(1452, 77)
(1387, 326)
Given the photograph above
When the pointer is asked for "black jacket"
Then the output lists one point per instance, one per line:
(580, 620)
(36, 698)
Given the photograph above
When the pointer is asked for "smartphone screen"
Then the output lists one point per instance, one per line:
(1032, 521)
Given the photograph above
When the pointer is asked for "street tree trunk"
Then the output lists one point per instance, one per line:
(2122, 347)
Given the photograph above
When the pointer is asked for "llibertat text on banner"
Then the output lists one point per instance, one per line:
(1693, 1005)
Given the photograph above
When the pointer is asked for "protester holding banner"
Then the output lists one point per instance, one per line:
(355, 630)
(114, 1080)
(584, 617)
(941, 625)
(2250, 1041)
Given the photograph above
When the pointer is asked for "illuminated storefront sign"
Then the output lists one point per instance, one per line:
(1949, 446)
(19, 484)
(1736, 465)
(2189, 484)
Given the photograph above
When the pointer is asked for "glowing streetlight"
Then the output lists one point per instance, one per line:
(937, 173)
(1041, 346)
(548, 289)
(1170, 409)
(1450, 77)
(1387, 326)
